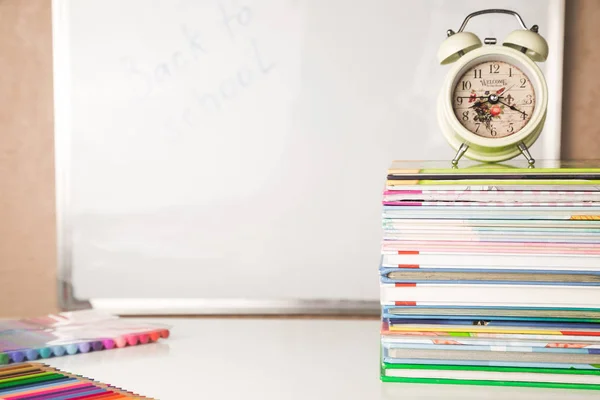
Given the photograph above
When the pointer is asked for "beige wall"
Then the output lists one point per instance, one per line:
(27, 226)
(581, 82)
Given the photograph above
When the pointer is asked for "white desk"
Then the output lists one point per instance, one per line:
(271, 359)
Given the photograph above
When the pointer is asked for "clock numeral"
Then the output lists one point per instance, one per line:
(523, 116)
(528, 99)
(466, 85)
(493, 131)
(459, 100)
(477, 73)
(494, 68)
(465, 116)
(510, 129)
(477, 129)
(509, 72)
(523, 81)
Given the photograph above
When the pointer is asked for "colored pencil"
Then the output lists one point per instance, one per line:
(42, 382)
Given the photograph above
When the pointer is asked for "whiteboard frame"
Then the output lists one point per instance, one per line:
(198, 306)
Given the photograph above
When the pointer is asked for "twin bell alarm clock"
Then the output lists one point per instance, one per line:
(492, 106)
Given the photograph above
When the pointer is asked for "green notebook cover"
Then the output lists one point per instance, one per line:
(514, 173)
(478, 382)
(517, 167)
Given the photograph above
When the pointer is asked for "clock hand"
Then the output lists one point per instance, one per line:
(503, 93)
(513, 108)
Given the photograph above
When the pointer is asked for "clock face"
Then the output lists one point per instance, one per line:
(493, 99)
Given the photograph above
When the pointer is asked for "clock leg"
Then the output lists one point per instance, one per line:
(526, 153)
(461, 151)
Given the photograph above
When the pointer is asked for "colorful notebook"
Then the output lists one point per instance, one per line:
(39, 381)
(565, 378)
(494, 313)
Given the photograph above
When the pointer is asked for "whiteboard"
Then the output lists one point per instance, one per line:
(231, 154)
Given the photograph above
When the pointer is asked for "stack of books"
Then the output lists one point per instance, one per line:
(490, 274)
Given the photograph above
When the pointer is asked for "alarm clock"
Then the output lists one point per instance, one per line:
(492, 105)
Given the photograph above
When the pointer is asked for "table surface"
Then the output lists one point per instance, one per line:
(265, 359)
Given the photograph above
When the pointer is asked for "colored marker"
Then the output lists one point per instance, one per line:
(58, 351)
(132, 340)
(17, 356)
(164, 333)
(121, 342)
(97, 346)
(71, 349)
(84, 347)
(31, 339)
(45, 352)
(144, 338)
(32, 354)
